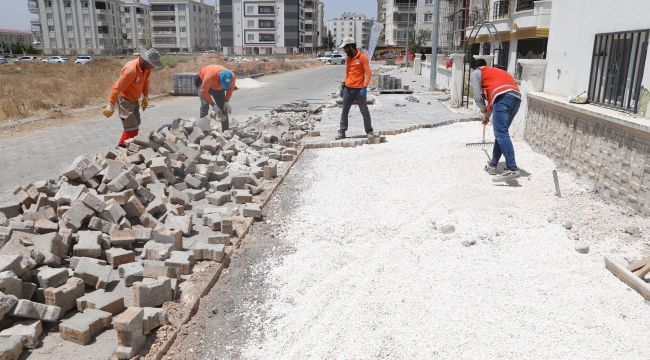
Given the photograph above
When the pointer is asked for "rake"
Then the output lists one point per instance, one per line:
(482, 143)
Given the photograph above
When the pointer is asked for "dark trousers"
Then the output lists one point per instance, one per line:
(349, 96)
(219, 97)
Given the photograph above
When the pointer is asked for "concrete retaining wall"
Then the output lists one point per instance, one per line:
(611, 153)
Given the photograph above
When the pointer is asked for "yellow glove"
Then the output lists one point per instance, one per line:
(109, 110)
(145, 103)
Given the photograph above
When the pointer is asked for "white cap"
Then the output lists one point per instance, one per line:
(347, 41)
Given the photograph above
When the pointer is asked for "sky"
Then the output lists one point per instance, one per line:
(16, 16)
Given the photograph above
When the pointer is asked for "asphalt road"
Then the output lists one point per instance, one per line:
(48, 147)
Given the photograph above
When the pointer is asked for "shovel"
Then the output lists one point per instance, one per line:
(482, 143)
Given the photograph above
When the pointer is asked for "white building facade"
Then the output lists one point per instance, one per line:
(136, 29)
(313, 24)
(356, 26)
(262, 27)
(406, 18)
(70, 27)
(182, 25)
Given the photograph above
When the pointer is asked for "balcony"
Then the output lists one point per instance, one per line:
(501, 9)
(33, 6)
(164, 33)
(523, 5)
(163, 22)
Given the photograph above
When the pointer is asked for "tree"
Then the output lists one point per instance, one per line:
(417, 43)
(328, 41)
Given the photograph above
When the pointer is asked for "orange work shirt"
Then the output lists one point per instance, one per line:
(132, 83)
(209, 75)
(357, 71)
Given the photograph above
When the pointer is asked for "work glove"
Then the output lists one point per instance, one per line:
(364, 92)
(145, 103)
(215, 112)
(227, 107)
(109, 110)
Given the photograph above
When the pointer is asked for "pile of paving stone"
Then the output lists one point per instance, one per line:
(135, 219)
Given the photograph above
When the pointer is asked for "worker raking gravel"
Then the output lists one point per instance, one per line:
(125, 93)
(355, 86)
(503, 99)
(216, 85)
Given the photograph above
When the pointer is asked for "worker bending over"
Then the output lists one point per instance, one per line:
(503, 100)
(125, 93)
(215, 86)
(355, 87)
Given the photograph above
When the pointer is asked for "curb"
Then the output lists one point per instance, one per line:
(216, 274)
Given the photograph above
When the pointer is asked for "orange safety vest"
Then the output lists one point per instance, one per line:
(496, 82)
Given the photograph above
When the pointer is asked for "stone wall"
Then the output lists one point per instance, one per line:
(610, 153)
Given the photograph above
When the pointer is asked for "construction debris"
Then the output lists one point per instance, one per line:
(133, 212)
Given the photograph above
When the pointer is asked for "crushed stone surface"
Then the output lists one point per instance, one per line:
(370, 275)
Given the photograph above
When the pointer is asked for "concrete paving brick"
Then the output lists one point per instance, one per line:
(195, 194)
(131, 272)
(252, 210)
(118, 256)
(93, 202)
(154, 318)
(91, 170)
(157, 251)
(220, 185)
(218, 239)
(10, 348)
(120, 197)
(122, 238)
(123, 181)
(182, 223)
(88, 244)
(156, 206)
(177, 196)
(7, 303)
(65, 296)
(48, 249)
(51, 277)
(33, 310)
(68, 193)
(77, 215)
(82, 327)
(219, 198)
(226, 225)
(44, 226)
(11, 263)
(130, 332)
(155, 269)
(11, 284)
(5, 233)
(182, 260)
(213, 221)
(100, 299)
(203, 251)
(93, 274)
(142, 233)
(152, 293)
(242, 196)
(173, 237)
(27, 331)
(193, 182)
(104, 226)
(74, 261)
(133, 207)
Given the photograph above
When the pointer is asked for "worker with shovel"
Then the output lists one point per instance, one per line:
(503, 100)
(215, 86)
(125, 93)
(355, 87)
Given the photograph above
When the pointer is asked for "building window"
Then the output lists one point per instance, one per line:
(87, 29)
(183, 29)
(251, 23)
(181, 18)
(617, 65)
(50, 16)
(68, 16)
(50, 28)
(428, 2)
(428, 17)
(89, 43)
(266, 10)
(250, 37)
(100, 42)
(66, 4)
(181, 7)
(53, 41)
(84, 4)
(267, 37)
(266, 24)
(70, 28)
(250, 9)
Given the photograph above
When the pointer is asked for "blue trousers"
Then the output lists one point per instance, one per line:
(504, 109)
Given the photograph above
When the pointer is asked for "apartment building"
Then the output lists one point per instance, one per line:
(254, 27)
(69, 27)
(9, 37)
(217, 27)
(356, 26)
(136, 29)
(182, 25)
(406, 18)
(313, 24)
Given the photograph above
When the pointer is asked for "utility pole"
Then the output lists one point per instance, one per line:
(408, 25)
(434, 45)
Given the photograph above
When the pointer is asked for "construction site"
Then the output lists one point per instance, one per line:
(247, 215)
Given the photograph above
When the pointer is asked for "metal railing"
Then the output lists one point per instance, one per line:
(617, 65)
(501, 9)
(523, 5)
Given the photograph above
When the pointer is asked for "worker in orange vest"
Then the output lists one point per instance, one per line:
(501, 92)
(355, 87)
(125, 93)
(216, 85)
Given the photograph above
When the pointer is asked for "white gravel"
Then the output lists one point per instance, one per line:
(372, 276)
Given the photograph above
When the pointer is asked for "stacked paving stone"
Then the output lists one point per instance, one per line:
(132, 212)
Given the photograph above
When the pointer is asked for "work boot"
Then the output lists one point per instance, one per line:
(340, 136)
(371, 135)
(507, 175)
(491, 169)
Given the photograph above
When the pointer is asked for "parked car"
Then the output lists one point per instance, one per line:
(325, 58)
(26, 59)
(55, 60)
(336, 59)
(2, 60)
(83, 59)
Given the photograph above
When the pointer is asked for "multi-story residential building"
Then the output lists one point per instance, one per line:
(381, 18)
(406, 18)
(351, 25)
(263, 27)
(182, 25)
(68, 27)
(217, 26)
(136, 29)
(313, 24)
(9, 37)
